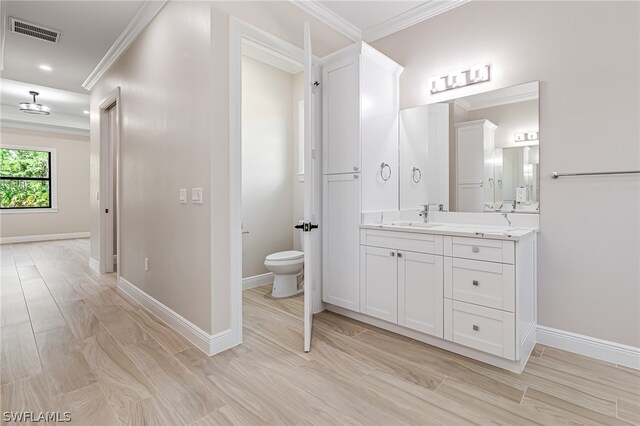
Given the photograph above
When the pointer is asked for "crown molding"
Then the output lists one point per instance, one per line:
(409, 18)
(329, 17)
(53, 125)
(262, 53)
(144, 15)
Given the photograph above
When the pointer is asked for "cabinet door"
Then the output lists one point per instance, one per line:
(420, 292)
(379, 288)
(341, 115)
(341, 245)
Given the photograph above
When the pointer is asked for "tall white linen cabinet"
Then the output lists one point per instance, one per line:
(360, 102)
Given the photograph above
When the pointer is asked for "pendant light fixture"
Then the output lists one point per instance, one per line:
(34, 107)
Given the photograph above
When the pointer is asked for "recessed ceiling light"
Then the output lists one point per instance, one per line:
(85, 111)
(45, 67)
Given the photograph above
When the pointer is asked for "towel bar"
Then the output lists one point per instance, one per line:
(556, 175)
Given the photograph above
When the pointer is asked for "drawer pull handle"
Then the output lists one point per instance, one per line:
(476, 328)
(476, 283)
(475, 249)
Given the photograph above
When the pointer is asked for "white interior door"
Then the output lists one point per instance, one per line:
(110, 176)
(311, 193)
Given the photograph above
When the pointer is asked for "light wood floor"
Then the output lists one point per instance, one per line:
(69, 342)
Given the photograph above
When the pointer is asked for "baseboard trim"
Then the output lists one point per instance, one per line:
(94, 264)
(257, 280)
(615, 353)
(46, 237)
(207, 343)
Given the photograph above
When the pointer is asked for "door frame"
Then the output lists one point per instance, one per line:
(238, 30)
(111, 101)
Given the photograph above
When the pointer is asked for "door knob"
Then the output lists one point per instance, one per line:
(476, 328)
(475, 282)
(392, 254)
(475, 249)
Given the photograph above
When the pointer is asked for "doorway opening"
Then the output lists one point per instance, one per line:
(248, 164)
(109, 183)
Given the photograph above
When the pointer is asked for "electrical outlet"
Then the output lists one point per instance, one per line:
(146, 263)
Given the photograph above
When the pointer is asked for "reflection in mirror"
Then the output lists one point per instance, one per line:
(474, 154)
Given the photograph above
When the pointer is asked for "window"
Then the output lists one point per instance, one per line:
(27, 178)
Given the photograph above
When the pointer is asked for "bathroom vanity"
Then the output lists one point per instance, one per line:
(465, 287)
(468, 289)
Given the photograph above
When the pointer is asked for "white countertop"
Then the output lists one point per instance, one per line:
(455, 229)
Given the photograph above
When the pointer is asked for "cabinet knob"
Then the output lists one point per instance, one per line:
(355, 176)
(392, 254)
(399, 254)
(475, 249)
(476, 283)
(355, 168)
(476, 328)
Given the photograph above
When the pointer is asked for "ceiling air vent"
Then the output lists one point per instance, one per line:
(33, 30)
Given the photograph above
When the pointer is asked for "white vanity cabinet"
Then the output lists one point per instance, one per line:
(463, 291)
(401, 279)
(489, 294)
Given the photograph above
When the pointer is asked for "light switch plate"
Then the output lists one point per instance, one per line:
(196, 195)
(183, 196)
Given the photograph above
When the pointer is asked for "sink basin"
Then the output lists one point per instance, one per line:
(411, 224)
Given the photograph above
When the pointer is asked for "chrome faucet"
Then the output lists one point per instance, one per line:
(425, 211)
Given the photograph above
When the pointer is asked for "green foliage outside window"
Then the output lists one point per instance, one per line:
(25, 179)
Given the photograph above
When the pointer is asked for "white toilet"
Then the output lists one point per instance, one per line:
(286, 267)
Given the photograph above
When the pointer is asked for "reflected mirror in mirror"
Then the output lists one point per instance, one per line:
(479, 153)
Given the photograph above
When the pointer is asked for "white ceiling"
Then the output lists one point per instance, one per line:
(368, 14)
(89, 29)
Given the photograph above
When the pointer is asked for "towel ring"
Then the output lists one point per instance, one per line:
(382, 167)
(413, 176)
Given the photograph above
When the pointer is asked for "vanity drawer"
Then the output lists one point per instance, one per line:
(398, 240)
(485, 329)
(480, 249)
(481, 283)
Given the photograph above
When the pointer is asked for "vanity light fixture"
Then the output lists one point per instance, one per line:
(34, 107)
(526, 136)
(455, 79)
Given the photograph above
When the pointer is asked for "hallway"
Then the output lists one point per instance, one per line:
(71, 343)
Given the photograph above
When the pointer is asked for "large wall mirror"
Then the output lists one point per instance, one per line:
(479, 153)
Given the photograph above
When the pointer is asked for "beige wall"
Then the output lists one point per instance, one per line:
(267, 151)
(167, 132)
(175, 107)
(72, 153)
(589, 282)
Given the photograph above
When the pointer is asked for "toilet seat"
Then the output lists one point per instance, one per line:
(282, 256)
